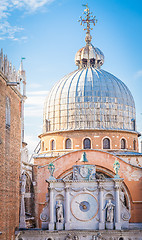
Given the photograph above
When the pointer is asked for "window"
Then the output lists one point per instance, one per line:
(134, 144)
(123, 143)
(68, 144)
(133, 124)
(7, 113)
(87, 143)
(106, 143)
(42, 146)
(53, 145)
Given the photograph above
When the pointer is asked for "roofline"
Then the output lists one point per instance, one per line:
(91, 129)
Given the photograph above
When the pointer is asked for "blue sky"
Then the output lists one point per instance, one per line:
(47, 34)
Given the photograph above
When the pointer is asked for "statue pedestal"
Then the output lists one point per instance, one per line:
(101, 226)
(67, 226)
(109, 225)
(51, 226)
(59, 226)
(118, 226)
(44, 225)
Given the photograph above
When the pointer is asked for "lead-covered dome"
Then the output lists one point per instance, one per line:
(89, 98)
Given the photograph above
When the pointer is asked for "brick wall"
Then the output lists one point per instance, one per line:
(96, 137)
(9, 161)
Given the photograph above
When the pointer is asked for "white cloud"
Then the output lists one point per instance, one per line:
(34, 103)
(6, 8)
(138, 74)
(34, 85)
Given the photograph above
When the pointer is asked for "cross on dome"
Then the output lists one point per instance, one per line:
(88, 19)
(88, 56)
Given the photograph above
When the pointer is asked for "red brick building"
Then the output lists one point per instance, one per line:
(10, 146)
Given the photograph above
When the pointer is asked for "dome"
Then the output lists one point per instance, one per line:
(89, 98)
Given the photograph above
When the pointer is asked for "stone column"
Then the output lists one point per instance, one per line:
(51, 223)
(67, 209)
(117, 205)
(101, 206)
(22, 223)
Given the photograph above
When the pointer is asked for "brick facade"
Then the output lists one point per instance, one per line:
(10, 145)
(96, 137)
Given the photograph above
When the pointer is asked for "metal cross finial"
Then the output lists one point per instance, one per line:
(87, 19)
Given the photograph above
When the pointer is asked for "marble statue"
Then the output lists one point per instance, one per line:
(109, 208)
(59, 211)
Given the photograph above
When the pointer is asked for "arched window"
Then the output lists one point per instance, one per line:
(7, 113)
(68, 144)
(123, 143)
(87, 143)
(106, 143)
(53, 145)
(134, 144)
(42, 146)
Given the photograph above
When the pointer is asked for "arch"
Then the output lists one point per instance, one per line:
(86, 143)
(28, 199)
(134, 144)
(106, 143)
(109, 196)
(123, 143)
(59, 197)
(68, 144)
(52, 144)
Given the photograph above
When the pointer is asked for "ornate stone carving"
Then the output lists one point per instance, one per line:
(97, 237)
(69, 237)
(109, 211)
(44, 214)
(76, 238)
(59, 211)
(84, 172)
(100, 176)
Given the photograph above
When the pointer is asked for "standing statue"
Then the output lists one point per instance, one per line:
(109, 208)
(59, 211)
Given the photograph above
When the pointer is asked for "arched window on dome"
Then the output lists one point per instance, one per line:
(42, 146)
(68, 143)
(134, 144)
(87, 143)
(106, 143)
(123, 143)
(53, 144)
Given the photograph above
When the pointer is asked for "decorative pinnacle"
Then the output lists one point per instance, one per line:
(51, 169)
(87, 19)
(116, 167)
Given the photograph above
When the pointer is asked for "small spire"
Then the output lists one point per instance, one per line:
(87, 19)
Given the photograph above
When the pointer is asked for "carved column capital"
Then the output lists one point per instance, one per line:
(117, 185)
